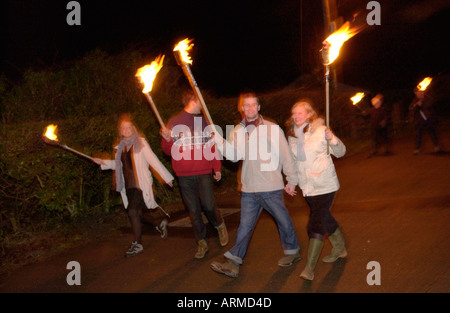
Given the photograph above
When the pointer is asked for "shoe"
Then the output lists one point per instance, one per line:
(202, 248)
(162, 228)
(416, 151)
(338, 250)
(289, 259)
(223, 234)
(135, 249)
(228, 268)
(314, 249)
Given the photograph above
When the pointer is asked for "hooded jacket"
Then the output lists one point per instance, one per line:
(316, 173)
(142, 159)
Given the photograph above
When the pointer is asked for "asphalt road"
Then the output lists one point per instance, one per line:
(393, 210)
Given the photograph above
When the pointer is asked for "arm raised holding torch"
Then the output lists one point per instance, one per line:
(183, 60)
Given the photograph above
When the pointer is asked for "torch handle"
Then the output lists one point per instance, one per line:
(77, 152)
(327, 99)
(193, 83)
(155, 110)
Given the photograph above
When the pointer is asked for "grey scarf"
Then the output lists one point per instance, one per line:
(300, 133)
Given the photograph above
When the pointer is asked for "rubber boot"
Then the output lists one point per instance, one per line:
(314, 249)
(338, 250)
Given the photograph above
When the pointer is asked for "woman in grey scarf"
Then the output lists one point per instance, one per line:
(134, 181)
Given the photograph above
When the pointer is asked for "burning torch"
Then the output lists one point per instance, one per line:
(423, 85)
(50, 138)
(330, 52)
(146, 76)
(356, 98)
(183, 60)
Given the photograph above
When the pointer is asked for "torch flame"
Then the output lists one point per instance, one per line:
(337, 39)
(184, 46)
(50, 132)
(424, 83)
(147, 73)
(356, 98)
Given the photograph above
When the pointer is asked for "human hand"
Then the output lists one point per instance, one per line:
(98, 161)
(328, 134)
(217, 176)
(165, 133)
(290, 190)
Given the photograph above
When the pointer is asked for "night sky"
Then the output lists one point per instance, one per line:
(263, 45)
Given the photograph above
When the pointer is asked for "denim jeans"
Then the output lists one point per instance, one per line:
(197, 194)
(251, 207)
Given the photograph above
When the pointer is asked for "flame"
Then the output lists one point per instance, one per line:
(424, 83)
(50, 132)
(184, 46)
(337, 39)
(147, 73)
(357, 97)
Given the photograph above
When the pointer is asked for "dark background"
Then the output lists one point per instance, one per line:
(263, 45)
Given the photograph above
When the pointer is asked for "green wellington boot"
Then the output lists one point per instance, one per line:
(314, 248)
(338, 250)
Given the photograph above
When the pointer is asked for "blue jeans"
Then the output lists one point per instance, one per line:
(197, 194)
(251, 207)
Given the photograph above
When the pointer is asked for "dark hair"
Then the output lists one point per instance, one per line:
(188, 96)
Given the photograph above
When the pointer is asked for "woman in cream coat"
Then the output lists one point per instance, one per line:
(307, 137)
(134, 180)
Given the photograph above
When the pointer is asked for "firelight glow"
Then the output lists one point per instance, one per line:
(50, 132)
(356, 98)
(424, 83)
(147, 73)
(337, 39)
(184, 46)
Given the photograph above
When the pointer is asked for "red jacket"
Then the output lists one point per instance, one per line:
(191, 146)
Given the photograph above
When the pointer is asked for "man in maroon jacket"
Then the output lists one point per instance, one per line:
(195, 162)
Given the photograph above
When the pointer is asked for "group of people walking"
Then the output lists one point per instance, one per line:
(302, 157)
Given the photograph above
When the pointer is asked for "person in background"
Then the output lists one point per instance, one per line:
(424, 119)
(195, 163)
(134, 181)
(308, 137)
(262, 182)
(379, 121)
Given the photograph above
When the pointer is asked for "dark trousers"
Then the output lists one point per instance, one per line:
(197, 194)
(379, 138)
(138, 212)
(321, 222)
(425, 125)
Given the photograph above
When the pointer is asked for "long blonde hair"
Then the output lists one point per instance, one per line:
(309, 106)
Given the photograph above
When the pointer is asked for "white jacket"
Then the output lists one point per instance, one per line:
(317, 174)
(142, 160)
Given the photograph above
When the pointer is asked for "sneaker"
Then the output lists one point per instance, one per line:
(228, 268)
(135, 249)
(162, 228)
(223, 234)
(202, 248)
(289, 259)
